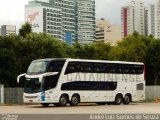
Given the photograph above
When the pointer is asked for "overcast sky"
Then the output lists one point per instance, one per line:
(12, 11)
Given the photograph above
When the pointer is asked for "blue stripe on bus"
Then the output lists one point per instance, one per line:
(43, 96)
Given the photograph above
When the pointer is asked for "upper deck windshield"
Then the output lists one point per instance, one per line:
(37, 67)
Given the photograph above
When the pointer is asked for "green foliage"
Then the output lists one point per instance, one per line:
(16, 53)
(153, 63)
(95, 51)
(25, 29)
(132, 48)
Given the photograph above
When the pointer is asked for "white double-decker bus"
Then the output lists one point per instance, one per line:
(60, 81)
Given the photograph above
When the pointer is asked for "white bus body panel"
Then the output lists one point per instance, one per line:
(126, 83)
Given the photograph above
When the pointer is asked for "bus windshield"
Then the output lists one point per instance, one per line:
(32, 85)
(37, 67)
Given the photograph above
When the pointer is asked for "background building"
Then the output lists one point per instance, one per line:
(154, 19)
(132, 18)
(49, 18)
(8, 30)
(85, 21)
(146, 21)
(58, 17)
(151, 20)
(107, 33)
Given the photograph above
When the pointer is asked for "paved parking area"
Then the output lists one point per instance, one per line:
(133, 108)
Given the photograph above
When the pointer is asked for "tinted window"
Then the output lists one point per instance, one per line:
(140, 86)
(93, 67)
(32, 85)
(55, 66)
(50, 82)
(89, 85)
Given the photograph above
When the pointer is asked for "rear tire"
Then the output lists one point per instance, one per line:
(75, 100)
(126, 99)
(118, 99)
(63, 101)
(101, 103)
(45, 104)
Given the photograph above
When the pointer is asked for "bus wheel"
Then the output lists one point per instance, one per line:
(101, 103)
(118, 99)
(75, 100)
(45, 104)
(63, 100)
(126, 100)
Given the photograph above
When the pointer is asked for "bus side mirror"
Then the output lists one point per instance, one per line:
(19, 76)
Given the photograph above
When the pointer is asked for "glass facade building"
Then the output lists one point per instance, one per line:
(58, 17)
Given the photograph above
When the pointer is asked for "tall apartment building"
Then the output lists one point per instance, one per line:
(151, 20)
(132, 18)
(107, 33)
(58, 17)
(154, 19)
(146, 21)
(49, 17)
(85, 21)
(8, 30)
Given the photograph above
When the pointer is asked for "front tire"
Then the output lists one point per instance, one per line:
(63, 100)
(75, 100)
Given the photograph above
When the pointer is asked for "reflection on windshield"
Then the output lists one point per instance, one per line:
(32, 85)
(37, 67)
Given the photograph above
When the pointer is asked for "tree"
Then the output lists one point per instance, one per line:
(102, 51)
(153, 63)
(8, 59)
(25, 29)
(97, 51)
(131, 48)
(40, 46)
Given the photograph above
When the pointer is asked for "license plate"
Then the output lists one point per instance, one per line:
(31, 101)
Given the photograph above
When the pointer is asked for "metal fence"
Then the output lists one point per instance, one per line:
(15, 95)
(152, 92)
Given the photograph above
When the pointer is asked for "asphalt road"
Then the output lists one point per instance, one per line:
(133, 108)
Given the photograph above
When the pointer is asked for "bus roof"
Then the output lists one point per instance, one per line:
(85, 60)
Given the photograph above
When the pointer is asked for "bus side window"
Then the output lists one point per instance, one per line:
(125, 69)
(96, 68)
(139, 69)
(85, 67)
(70, 68)
(55, 66)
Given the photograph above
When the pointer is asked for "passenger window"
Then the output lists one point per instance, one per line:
(85, 67)
(70, 68)
(96, 68)
(55, 66)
